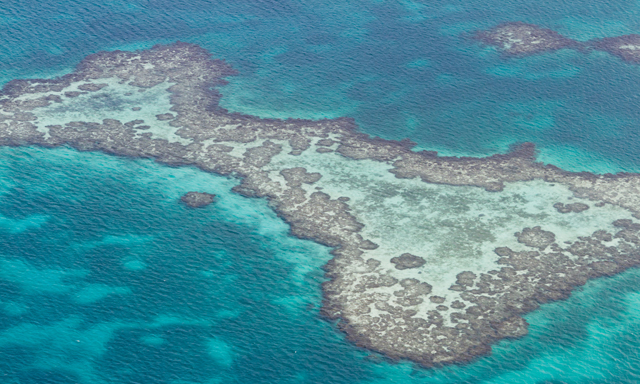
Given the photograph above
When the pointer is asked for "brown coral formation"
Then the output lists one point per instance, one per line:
(377, 308)
(626, 47)
(574, 207)
(197, 199)
(522, 39)
(407, 260)
(536, 238)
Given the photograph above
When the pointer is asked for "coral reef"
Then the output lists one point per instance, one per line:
(518, 39)
(407, 260)
(376, 202)
(522, 39)
(536, 238)
(566, 208)
(626, 47)
(197, 199)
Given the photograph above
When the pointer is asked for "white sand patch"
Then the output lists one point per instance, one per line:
(115, 101)
(239, 149)
(454, 228)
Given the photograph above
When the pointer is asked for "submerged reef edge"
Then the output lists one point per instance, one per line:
(519, 39)
(378, 309)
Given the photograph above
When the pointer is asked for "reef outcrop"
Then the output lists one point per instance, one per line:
(522, 39)
(518, 39)
(197, 199)
(566, 208)
(407, 260)
(536, 238)
(626, 47)
(376, 202)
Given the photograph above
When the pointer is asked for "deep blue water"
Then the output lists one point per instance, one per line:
(106, 278)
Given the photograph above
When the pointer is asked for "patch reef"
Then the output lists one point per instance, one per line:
(522, 39)
(435, 258)
(518, 39)
(197, 199)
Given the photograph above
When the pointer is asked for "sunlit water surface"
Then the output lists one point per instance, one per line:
(106, 278)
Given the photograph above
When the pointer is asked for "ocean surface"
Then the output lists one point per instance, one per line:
(106, 278)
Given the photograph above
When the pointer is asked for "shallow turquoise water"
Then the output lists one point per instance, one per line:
(106, 278)
(114, 280)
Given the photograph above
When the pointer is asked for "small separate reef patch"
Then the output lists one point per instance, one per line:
(522, 39)
(574, 207)
(407, 260)
(197, 199)
(518, 39)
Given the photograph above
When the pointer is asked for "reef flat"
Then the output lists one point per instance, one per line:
(518, 39)
(435, 258)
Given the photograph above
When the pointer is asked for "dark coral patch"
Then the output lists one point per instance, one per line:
(197, 199)
(407, 260)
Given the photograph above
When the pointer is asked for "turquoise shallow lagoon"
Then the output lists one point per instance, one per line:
(115, 280)
(106, 278)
